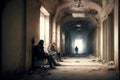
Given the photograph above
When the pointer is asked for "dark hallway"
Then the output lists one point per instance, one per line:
(85, 33)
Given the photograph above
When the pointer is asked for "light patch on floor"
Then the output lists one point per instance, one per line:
(74, 69)
(81, 69)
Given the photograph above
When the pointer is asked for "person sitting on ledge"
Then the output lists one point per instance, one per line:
(41, 54)
(54, 52)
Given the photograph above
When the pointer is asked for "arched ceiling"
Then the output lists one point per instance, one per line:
(93, 11)
(95, 8)
(77, 25)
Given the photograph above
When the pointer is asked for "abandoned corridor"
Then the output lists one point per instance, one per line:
(90, 25)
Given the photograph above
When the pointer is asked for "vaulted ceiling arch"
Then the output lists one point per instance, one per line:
(63, 8)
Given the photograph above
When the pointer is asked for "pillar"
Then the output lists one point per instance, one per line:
(116, 30)
(58, 38)
(101, 40)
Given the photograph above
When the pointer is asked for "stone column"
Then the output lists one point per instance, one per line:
(98, 42)
(101, 40)
(108, 41)
(58, 38)
(116, 34)
(54, 31)
(104, 39)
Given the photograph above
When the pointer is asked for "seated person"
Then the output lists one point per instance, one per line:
(41, 54)
(53, 51)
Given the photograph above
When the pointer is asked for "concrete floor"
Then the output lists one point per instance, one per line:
(74, 68)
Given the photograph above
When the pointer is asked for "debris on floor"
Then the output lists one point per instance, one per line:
(93, 60)
(99, 59)
(77, 61)
(91, 56)
(111, 65)
(95, 69)
(70, 70)
(104, 61)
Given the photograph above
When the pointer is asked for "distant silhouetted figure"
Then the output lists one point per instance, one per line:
(41, 54)
(76, 50)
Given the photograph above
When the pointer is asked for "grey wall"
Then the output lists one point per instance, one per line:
(32, 28)
(20, 24)
(13, 37)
